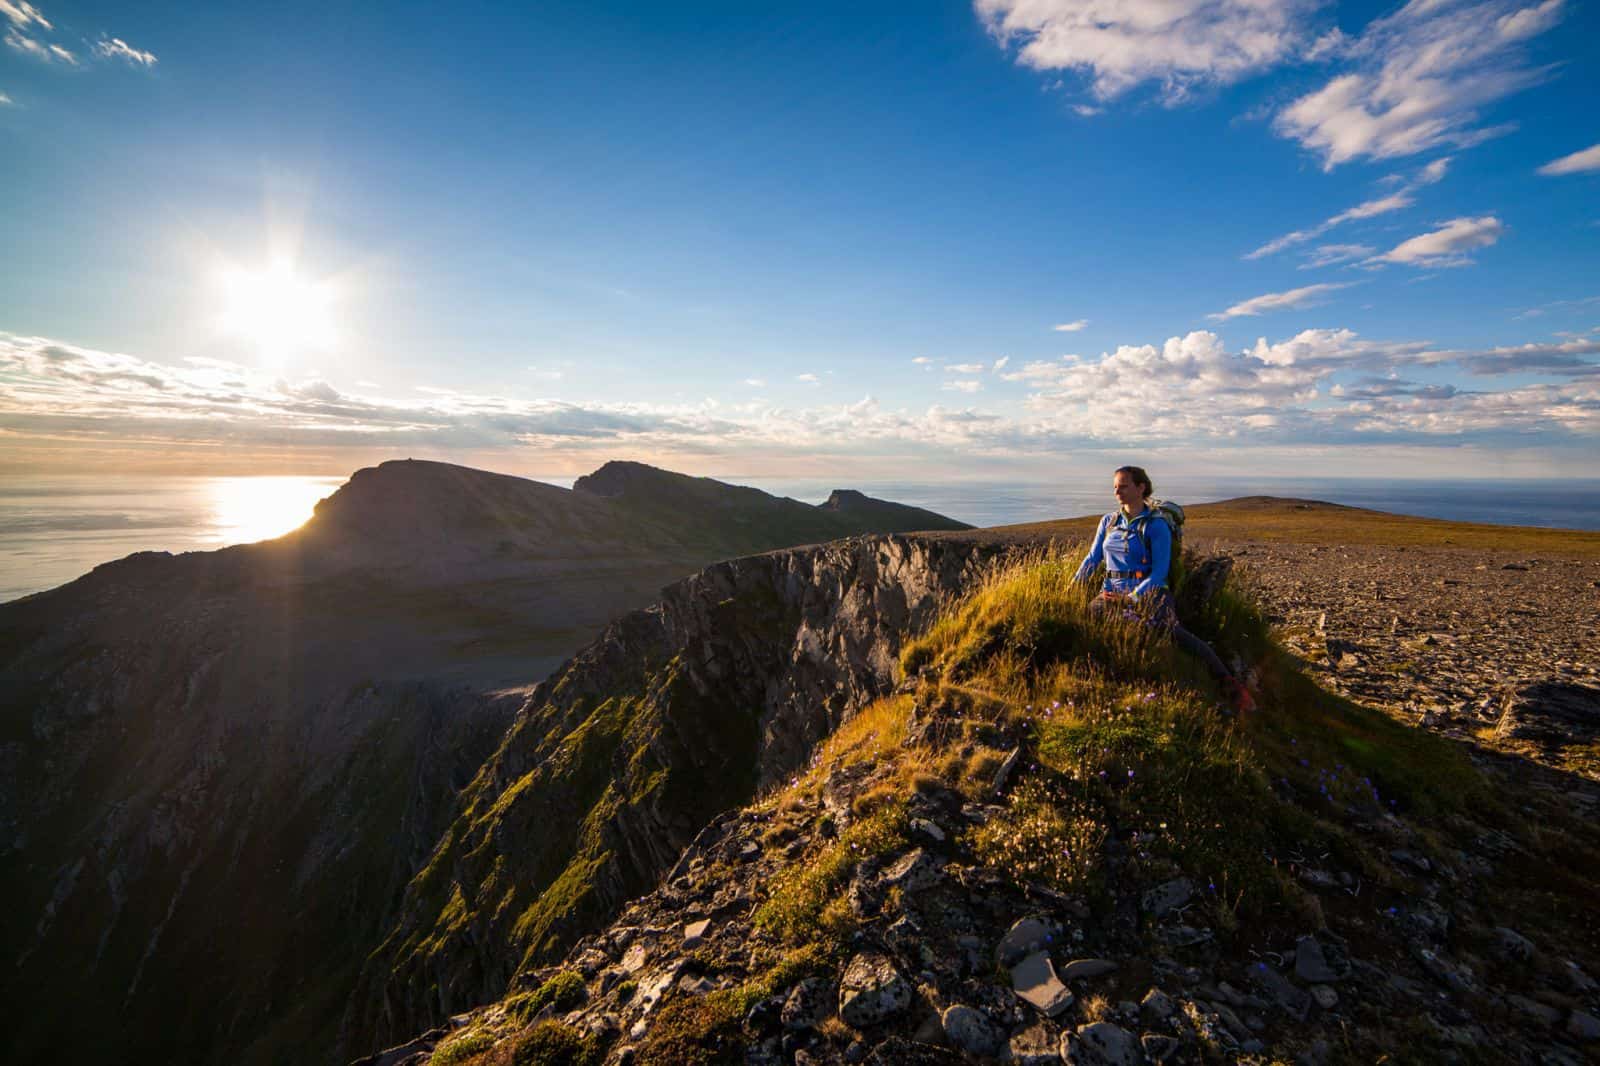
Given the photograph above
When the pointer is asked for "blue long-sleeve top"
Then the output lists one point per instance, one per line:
(1137, 553)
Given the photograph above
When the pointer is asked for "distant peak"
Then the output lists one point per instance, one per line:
(842, 499)
(622, 477)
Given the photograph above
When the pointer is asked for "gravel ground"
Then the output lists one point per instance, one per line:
(1496, 647)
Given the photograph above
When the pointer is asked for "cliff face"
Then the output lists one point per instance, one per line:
(675, 714)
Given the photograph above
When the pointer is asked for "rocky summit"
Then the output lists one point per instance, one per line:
(895, 798)
(1025, 834)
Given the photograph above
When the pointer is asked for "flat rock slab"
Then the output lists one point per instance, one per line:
(695, 932)
(1034, 980)
(1081, 969)
(1166, 898)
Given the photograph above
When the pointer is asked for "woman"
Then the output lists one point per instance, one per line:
(1135, 544)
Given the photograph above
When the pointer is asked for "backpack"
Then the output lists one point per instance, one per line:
(1172, 514)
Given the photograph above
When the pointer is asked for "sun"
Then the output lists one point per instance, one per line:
(277, 310)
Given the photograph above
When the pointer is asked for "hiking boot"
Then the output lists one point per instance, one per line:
(1239, 696)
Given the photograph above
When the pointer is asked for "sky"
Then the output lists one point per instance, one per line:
(1009, 238)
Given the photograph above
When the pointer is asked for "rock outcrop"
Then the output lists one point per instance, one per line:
(675, 715)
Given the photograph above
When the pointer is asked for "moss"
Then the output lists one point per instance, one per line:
(461, 1048)
(800, 894)
(554, 1044)
(562, 991)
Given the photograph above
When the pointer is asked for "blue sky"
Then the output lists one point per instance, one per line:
(957, 240)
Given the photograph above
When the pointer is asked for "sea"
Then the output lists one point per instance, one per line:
(54, 529)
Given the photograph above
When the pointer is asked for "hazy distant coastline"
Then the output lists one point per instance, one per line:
(53, 529)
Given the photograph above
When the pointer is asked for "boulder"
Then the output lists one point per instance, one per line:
(872, 991)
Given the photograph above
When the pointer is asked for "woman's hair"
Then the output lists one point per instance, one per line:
(1139, 477)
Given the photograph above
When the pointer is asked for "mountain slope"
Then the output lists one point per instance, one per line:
(218, 770)
(1049, 845)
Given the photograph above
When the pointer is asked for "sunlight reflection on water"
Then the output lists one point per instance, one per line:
(54, 529)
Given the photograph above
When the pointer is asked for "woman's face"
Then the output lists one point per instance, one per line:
(1128, 492)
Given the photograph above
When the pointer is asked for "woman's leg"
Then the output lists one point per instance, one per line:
(1202, 651)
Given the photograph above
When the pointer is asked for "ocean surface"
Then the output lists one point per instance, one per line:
(54, 529)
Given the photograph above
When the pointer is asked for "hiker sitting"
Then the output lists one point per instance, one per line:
(1135, 544)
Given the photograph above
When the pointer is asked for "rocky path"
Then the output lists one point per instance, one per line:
(1491, 646)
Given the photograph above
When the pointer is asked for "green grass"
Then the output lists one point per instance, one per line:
(1131, 743)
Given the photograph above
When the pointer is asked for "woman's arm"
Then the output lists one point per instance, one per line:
(1159, 537)
(1096, 553)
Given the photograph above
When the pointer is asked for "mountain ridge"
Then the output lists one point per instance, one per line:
(228, 763)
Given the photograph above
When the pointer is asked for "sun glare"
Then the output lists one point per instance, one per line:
(248, 509)
(277, 310)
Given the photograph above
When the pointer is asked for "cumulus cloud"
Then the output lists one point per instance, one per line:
(1072, 327)
(809, 379)
(1581, 162)
(1000, 363)
(5, 101)
(756, 383)
(1177, 45)
(1446, 246)
(962, 386)
(23, 14)
(1418, 79)
(1305, 296)
(117, 48)
(964, 368)
(922, 360)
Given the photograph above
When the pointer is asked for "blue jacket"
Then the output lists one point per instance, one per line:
(1137, 552)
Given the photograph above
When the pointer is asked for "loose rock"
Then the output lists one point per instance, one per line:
(871, 991)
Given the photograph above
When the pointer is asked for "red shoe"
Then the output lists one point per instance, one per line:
(1243, 702)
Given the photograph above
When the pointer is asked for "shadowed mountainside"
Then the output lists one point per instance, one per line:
(218, 770)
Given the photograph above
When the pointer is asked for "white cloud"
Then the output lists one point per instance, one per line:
(1072, 327)
(756, 383)
(117, 48)
(1332, 254)
(1086, 111)
(1306, 296)
(545, 373)
(1434, 172)
(5, 101)
(922, 360)
(1179, 45)
(1446, 246)
(964, 368)
(1419, 78)
(1431, 174)
(1581, 162)
(1367, 209)
(22, 14)
(809, 379)
(1186, 391)
(1000, 363)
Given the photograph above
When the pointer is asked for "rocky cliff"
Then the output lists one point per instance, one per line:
(219, 770)
(675, 715)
